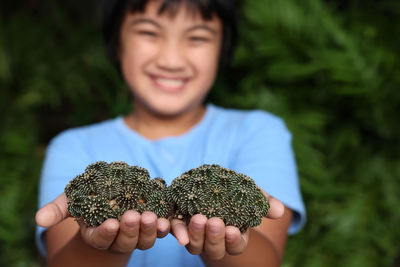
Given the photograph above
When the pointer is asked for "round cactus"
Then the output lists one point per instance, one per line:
(215, 191)
(108, 190)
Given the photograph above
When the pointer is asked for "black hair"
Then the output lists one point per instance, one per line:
(115, 10)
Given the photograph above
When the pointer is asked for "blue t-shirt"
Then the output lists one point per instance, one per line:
(255, 143)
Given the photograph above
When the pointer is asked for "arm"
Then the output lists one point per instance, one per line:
(70, 244)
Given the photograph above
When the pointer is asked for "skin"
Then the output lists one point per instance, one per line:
(170, 64)
(184, 49)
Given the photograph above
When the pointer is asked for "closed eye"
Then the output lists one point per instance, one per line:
(199, 39)
(148, 33)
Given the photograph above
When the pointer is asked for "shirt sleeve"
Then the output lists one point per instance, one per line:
(65, 158)
(264, 153)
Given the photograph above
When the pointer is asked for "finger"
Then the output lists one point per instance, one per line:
(100, 237)
(148, 230)
(163, 227)
(235, 242)
(128, 234)
(196, 229)
(276, 208)
(214, 244)
(54, 212)
(179, 230)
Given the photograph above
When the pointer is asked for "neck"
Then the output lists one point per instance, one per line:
(153, 126)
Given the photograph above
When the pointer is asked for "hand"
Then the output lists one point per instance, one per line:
(211, 238)
(133, 231)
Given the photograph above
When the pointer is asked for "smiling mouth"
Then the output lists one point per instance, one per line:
(169, 84)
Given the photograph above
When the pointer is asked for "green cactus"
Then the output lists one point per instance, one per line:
(215, 191)
(108, 190)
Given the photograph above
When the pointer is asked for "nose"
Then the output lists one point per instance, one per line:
(171, 57)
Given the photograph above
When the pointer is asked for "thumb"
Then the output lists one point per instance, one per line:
(53, 212)
(276, 208)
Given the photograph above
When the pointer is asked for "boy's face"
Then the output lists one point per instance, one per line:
(169, 62)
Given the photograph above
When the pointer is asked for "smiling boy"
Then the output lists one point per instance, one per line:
(169, 53)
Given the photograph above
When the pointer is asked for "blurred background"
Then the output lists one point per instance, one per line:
(330, 68)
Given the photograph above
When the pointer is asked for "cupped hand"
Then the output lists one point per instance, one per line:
(133, 231)
(211, 238)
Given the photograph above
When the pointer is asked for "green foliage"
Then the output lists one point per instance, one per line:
(332, 72)
(335, 80)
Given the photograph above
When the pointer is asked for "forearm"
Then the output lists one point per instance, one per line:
(77, 253)
(259, 252)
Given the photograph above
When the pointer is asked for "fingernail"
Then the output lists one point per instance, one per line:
(184, 241)
(162, 233)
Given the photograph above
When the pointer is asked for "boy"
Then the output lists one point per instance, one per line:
(169, 53)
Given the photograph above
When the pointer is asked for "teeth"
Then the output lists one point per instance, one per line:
(169, 82)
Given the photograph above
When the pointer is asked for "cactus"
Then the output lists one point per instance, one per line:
(215, 191)
(108, 190)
